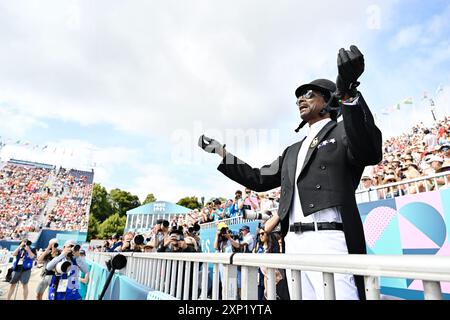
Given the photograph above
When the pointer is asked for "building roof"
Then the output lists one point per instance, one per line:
(159, 207)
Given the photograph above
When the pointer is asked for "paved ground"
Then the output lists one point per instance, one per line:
(32, 285)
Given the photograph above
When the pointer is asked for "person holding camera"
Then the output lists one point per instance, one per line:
(219, 212)
(194, 233)
(178, 243)
(65, 282)
(127, 245)
(50, 252)
(250, 201)
(22, 265)
(319, 174)
(160, 235)
(115, 244)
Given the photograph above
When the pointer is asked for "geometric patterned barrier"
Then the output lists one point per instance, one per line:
(411, 224)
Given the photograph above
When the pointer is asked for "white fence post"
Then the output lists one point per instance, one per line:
(187, 278)
(249, 284)
(271, 285)
(215, 284)
(229, 282)
(432, 290)
(372, 288)
(195, 275)
(204, 294)
(168, 274)
(296, 284)
(180, 279)
(328, 283)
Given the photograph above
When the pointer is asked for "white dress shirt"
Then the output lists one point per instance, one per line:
(296, 214)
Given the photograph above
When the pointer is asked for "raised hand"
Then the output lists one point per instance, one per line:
(350, 67)
(210, 145)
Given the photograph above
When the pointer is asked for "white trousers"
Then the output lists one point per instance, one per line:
(320, 242)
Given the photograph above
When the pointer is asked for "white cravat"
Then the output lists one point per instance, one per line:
(296, 214)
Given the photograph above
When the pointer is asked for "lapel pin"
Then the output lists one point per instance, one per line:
(314, 142)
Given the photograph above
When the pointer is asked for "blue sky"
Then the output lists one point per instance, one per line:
(127, 88)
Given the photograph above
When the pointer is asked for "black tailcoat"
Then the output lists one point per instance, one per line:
(329, 176)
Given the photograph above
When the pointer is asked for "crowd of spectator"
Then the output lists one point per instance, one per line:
(421, 152)
(26, 190)
(70, 211)
(22, 197)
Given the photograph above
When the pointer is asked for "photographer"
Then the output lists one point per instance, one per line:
(65, 282)
(219, 212)
(115, 243)
(126, 245)
(177, 242)
(50, 252)
(160, 235)
(22, 267)
(194, 233)
(250, 201)
(238, 203)
(222, 241)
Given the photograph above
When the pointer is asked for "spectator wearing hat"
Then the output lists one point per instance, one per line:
(391, 191)
(319, 174)
(368, 194)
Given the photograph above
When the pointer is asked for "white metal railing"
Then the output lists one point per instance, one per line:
(180, 274)
(407, 183)
(235, 220)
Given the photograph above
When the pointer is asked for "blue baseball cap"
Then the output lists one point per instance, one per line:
(245, 228)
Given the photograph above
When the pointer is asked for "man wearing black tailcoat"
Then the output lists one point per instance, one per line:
(319, 174)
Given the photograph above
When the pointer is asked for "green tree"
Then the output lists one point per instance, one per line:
(101, 207)
(93, 228)
(150, 198)
(114, 224)
(122, 201)
(190, 202)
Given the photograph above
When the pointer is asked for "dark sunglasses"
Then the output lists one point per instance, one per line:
(307, 95)
(262, 233)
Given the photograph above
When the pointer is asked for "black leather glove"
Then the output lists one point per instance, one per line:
(350, 67)
(210, 145)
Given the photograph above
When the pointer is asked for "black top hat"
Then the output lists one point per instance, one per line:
(322, 85)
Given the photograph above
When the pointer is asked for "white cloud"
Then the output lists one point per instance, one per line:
(407, 37)
(151, 68)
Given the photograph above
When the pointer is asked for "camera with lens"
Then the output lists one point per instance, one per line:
(138, 239)
(252, 215)
(27, 242)
(63, 267)
(223, 234)
(75, 248)
(163, 223)
(194, 230)
(238, 236)
(179, 237)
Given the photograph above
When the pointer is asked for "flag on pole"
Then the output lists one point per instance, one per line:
(408, 101)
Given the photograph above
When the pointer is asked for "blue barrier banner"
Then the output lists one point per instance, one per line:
(120, 288)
